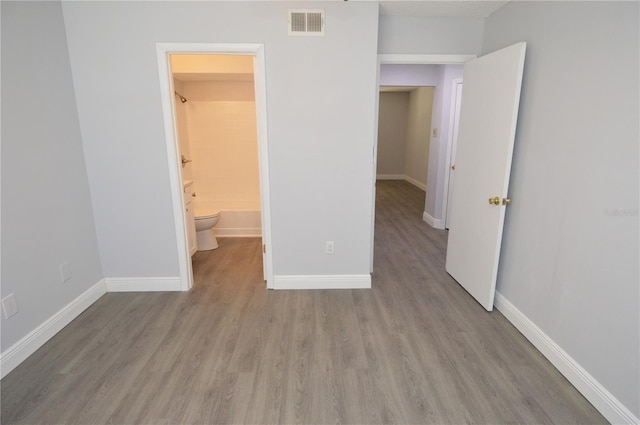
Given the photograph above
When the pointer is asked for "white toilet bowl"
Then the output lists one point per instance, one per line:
(205, 220)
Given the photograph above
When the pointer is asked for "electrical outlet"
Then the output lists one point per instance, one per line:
(65, 272)
(330, 247)
(9, 306)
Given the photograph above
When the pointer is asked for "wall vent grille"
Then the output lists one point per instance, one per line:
(306, 22)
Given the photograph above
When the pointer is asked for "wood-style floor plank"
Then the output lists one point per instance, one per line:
(416, 348)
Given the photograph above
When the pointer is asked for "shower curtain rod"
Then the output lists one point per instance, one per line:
(182, 98)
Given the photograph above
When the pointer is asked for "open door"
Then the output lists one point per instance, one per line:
(455, 124)
(483, 165)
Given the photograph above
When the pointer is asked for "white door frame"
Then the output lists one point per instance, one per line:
(173, 149)
(453, 110)
(402, 59)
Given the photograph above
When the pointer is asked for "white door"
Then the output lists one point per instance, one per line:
(483, 164)
(454, 148)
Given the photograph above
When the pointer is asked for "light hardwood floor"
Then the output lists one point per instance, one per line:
(416, 348)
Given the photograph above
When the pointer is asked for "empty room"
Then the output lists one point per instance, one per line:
(352, 300)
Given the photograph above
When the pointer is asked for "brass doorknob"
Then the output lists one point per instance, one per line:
(506, 201)
(494, 201)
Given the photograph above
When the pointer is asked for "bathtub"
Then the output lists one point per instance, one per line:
(238, 218)
(239, 224)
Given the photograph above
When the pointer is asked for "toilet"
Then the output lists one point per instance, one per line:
(206, 218)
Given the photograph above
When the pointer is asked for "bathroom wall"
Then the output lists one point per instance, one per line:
(221, 123)
(189, 65)
(182, 129)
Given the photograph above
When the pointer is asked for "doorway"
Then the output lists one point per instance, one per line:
(404, 126)
(439, 151)
(168, 89)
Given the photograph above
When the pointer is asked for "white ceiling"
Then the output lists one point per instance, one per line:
(451, 8)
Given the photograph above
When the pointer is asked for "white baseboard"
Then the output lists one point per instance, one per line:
(606, 403)
(238, 232)
(402, 177)
(390, 176)
(143, 284)
(416, 183)
(341, 281)
(433, 222)
(35, 339)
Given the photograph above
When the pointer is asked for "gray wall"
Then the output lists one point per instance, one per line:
(46, 207)
(409, 75)
(420, 35)
(392, 132)
(320, 98)
(570, 248)
(418, 134)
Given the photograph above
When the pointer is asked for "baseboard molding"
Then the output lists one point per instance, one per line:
(404, 177)
(436, 223)
(343, 281)
(390, 176)
(606, 403)
(143, 284)
(238, 232)
(35, 339)
(416, 183)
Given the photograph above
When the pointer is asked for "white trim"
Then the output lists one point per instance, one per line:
(390, 177)
(260, 89)
(606, 403)
(409, 59)
(35, 339)
(436, 223)
(175, 172)
(340, 281)
(402, 177)
(452, 114)
(143, 284)
(374, 167)
(240, 232)
(416, 183)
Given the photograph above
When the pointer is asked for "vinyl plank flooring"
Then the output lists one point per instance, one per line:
(416, 348)
(267, 396)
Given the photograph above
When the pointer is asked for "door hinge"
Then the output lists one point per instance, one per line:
(264, 249)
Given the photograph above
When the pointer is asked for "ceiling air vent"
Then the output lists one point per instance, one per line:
(306, 22)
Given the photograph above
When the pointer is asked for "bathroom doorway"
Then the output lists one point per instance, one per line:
(214, 100)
